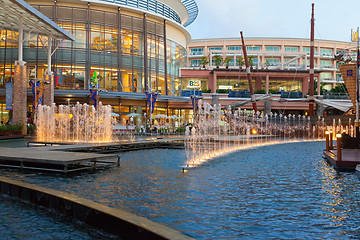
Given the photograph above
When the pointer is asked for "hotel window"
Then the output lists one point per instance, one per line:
(325, 76)
(234, 48)
(326, 52)
(272, 61)
(325, 64)
(212, 49)
(215, 48)
(307, 50)
(253, 48)
(292, 49)
(197, 51)
(195, 63)
(272, 48)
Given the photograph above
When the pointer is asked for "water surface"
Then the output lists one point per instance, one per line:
(284, 191)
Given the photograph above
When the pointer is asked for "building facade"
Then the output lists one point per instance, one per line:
(124, 48)
(275, 54)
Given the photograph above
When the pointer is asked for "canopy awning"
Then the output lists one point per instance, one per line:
(342, 106)
(11, 11)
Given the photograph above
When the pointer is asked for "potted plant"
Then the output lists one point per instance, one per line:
(251, 62)
(217, 60)
(204, 61)
(227, 61)
(241, 61)
(267, 64)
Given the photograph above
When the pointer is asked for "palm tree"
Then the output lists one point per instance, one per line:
(251, 62)
(217, 60)
(241, 61)
(204, 61)
(227, 61)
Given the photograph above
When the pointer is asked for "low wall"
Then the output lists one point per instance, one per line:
(112, 220)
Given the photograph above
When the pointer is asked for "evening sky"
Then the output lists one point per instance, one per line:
(334, 19)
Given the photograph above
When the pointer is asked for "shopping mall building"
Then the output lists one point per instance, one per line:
(128, 47)
(125, 47)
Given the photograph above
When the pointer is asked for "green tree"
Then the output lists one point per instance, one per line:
(241, 61)
(217, 60)
(204, 61)
(227, 61)
(251, 61)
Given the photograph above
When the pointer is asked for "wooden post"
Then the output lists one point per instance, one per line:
(327, 137)
(338, 147)
(331, 146)
(248, 74)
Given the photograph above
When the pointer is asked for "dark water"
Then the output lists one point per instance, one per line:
(284, 191)
(25, 221)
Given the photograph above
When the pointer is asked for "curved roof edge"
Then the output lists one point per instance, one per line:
(152, 14)
(179, 8)
(193, 11)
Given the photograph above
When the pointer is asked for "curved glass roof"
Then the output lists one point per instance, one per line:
(160, 8)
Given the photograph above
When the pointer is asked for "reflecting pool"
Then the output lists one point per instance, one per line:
(282, 191)
(25, 221)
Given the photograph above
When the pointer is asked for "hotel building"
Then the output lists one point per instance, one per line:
(277, 55)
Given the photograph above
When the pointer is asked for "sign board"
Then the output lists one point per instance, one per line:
(225, 87)
(194, 84)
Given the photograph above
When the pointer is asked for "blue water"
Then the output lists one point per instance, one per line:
(25, 221)
(284, 191)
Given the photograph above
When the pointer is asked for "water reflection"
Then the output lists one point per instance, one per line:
(281, 191)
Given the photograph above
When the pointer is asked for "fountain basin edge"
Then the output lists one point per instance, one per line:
(112, 220)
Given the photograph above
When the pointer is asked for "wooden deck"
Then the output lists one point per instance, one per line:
(350, 158)
(49, 159)
(52, 156)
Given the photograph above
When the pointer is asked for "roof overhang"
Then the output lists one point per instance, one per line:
(11, 11)
(179, 8)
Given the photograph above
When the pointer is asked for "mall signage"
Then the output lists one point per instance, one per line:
(194, 84)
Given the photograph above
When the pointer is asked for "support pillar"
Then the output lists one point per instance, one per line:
(49, 79)
(48, 88)
(212, 83)
(305, 86)
(267, 84)
(258, 83)
(20, 83)
(20, 95)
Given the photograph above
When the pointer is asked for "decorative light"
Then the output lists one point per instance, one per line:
(327, 132)
(253, 131)
(338, 135)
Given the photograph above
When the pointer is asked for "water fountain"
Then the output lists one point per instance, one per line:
(218, 131)
(79, 123)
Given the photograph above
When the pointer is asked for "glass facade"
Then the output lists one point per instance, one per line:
(116, 52)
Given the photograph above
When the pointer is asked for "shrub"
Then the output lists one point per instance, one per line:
(11, 129)
(206, 90)
(272, 91)
(222, 91)
(260, 91)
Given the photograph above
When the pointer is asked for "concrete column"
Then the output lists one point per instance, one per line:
(212, 82)
(267, 84)
(48, 89)
(49, 79)
(305, 86)
(258, 83)
(20, 96)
